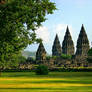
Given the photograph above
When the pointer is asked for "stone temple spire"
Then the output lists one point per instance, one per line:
(41, 53)
(68, 45)
(56, 48)
(82, 43)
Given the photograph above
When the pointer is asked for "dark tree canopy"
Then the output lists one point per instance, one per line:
(89, 59)
(14, 15)
(90, 52)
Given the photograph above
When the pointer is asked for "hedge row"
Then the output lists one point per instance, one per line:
(71, 70)
(52, 70)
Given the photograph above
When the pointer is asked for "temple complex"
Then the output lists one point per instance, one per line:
(79, 57)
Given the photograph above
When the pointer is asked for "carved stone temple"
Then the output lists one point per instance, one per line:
(56, 48)
(68, 45)
(82, 48)
(82, 43)
(41, 53)
(79, 57)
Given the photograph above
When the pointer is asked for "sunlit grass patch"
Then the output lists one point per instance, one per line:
(42, 85)
(42, 80)
(54, 82)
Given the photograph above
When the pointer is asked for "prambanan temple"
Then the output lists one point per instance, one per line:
(78, 57)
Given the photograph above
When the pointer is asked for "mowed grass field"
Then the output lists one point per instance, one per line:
(54, 82)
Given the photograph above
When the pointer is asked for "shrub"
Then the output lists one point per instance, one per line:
(64, 56)
(55, 57)
(48, 57)
(42, 70)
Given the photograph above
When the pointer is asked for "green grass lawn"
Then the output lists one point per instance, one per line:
(54, 82)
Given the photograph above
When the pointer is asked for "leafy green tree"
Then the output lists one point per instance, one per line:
(13, 62)
(89, 59)
(90, 52)
(18, 22)
(31, 60)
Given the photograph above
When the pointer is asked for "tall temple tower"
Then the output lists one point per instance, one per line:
(67, 44)
(82, 43)
(56, 48)
(41, 53)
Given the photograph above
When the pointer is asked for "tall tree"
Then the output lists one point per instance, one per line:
(18, 21)
(89, 59)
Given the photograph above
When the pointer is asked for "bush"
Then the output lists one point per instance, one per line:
(64, 56)
(48, 57)
(42, 70)
(55, 57)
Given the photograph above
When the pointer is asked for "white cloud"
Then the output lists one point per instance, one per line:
(43, 33)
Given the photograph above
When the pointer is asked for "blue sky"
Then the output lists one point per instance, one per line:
(73, 13)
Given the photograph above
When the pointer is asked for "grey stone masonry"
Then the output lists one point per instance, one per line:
(56, 48)
(41, 53)
(67, 44)
(82, 43)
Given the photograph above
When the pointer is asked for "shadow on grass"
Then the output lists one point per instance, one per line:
(65, 88)
(50, 75)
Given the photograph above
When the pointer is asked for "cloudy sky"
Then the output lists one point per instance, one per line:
(73, 13)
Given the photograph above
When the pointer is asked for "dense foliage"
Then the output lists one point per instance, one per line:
(89, 59)
(13, 63)
(31, 60)
(64, 56)
(18, 21)
(42, 70)
(48, 57)
(90, 52)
